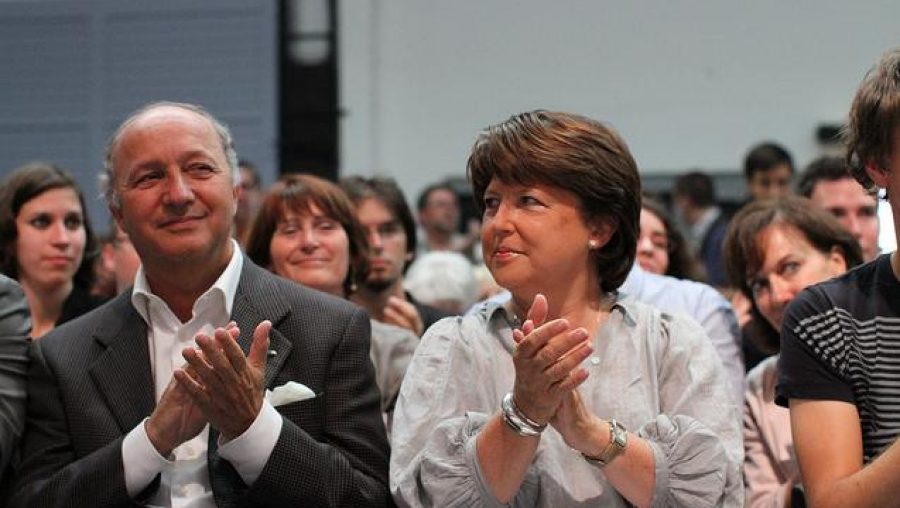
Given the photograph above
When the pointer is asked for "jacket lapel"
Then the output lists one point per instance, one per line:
(122, 370)
(256, 300)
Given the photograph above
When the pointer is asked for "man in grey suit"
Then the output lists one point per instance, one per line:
(15, 325)
(116, 418)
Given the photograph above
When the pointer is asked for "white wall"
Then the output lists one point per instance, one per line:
(688, 83)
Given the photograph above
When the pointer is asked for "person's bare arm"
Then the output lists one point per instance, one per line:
(828, 441)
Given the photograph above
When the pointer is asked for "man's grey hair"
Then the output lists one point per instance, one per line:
(107, 177)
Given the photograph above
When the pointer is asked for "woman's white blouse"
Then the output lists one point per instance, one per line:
(657, 374)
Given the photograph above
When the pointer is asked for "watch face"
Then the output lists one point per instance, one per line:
(619, 435)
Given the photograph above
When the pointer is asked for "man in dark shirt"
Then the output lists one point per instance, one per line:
(391, 232)
(839, 370)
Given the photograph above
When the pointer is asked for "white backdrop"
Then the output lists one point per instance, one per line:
(689, 84)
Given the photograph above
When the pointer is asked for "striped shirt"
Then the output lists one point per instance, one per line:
(841, 341)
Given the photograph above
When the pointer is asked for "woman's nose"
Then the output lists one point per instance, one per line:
(644, 245)
(60, 235)
(309, 240)
(782, 291)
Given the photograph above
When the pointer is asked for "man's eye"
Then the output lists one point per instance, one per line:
(147, 178)
(388, 229)
(201, 168)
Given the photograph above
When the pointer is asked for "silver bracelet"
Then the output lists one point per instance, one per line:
(517, 421)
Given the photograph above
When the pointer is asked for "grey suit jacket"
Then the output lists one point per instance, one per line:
(15, 326)
(90, 383)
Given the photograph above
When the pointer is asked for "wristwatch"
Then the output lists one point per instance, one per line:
(618, 439)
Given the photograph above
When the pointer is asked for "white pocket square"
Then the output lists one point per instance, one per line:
(288, 393)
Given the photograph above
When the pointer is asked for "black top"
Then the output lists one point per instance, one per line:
(80, 301)
(841, 341)
(430, 315)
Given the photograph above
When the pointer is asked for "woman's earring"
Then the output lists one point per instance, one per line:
(353, 287)
(592, 245)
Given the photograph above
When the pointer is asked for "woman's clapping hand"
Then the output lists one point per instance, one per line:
(547, 359)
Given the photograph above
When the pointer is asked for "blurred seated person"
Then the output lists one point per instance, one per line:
(120, 258)
(768, 169)
(306, 231)
(661, 248)
(694, 196)
(443, 279)
(829, 184)
(248, 201)
(774, 249)
(439, 214)
(571, 393)
(48, 245)
(391, 233)
(15, 326)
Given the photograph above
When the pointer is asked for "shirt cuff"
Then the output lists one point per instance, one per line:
(140, 460)
(250, 451)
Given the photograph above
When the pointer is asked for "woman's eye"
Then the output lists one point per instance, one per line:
(490, 205)
(286, 229)
(73, 222)
(790, 267)
(40, 222)
(327, 225)
(529, 200)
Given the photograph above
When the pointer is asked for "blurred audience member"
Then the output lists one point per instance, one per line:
(104, 285)
(48, 245)
(14, 328)
(120, 258)
(487, 286)
(443, 279)
(661, 248)
(391, 232)
(829, 184)
(248, 201)
(438, 214)
(768, 169)
(774, 250)
(695, 199)
(307, 231)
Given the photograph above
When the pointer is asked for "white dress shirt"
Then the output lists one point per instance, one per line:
(184, 480)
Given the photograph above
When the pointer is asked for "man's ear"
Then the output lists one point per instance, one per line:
(878, 174)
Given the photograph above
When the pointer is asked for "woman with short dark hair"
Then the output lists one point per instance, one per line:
(570, 394)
